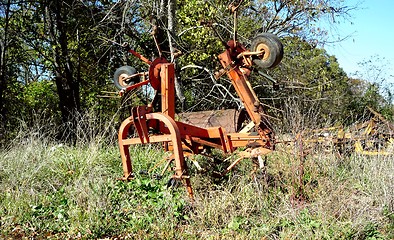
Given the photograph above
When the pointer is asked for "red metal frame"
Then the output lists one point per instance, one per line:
(179, 136)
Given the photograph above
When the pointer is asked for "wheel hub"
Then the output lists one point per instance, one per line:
(121, 79)
(265, 49)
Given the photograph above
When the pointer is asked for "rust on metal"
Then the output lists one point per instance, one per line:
(374, 136)
(187, 134)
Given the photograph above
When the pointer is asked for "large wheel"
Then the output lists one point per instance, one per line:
(121, 75)
(272, 47)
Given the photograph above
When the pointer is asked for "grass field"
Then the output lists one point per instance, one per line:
(55, 191)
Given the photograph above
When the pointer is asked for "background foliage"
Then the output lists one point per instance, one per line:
(58, 56)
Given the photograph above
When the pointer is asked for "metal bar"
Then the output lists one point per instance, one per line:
(124, 149)
(167, 76)
(139, 56)
(129, 88)
(181, 171)
(248, 97)
(231, 166)
(152, 139)
(206, 143)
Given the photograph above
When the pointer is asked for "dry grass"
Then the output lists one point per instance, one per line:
(52, 190)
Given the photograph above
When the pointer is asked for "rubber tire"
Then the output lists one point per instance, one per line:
(275, 48)
(124, 70)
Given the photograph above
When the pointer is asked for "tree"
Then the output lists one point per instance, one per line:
(71, 43)
(309, 79)
(44, 37)
(17, 67)
(204, 26)
(66, 81)
(52, 40)
(371, 88)
(4, 49)
(297, 18)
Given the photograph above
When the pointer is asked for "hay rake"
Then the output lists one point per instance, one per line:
(183, 139)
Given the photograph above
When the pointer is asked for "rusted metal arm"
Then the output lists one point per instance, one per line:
(248, 97)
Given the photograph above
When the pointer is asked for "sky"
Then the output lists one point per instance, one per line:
(371, 33)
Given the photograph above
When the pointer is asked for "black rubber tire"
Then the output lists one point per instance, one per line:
(127, 70)
(274, 46)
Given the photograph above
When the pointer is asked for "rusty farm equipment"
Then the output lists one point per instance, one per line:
(183, 139)
(373, 136)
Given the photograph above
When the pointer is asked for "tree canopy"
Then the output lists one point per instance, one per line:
(58, 56)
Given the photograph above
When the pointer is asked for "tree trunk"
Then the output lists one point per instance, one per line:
(171, 33)
(67, 85)
(3, 67)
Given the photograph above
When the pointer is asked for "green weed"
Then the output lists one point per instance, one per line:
(50, 190)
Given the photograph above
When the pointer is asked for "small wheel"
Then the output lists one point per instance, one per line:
(123, 73)
(272, 47)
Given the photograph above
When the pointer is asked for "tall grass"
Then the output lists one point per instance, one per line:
(53, 190)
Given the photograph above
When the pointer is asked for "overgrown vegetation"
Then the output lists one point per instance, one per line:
(55, 191)
(58, 56)
(59, 162)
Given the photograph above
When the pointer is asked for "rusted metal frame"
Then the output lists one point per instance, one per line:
(192, 146)
(207, 142)
(225, 140)
(247, 95)
(186, 130)
(176, 132)
(181, 171)
(137, 85)
(187, 145)
(139, 115)
(167, 75)
(240, 86)
(174, 135)
(233, 140)
(220, 140)
(215, 137)
(175, 138)
(191, 130)
(152, 139)
(242, 139)
(245, 142)
(124, 148)
(212, 137)
(144, 59)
